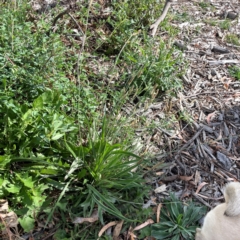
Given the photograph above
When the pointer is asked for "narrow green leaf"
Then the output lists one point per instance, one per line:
(106, 205)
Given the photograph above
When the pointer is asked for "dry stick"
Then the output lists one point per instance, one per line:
(200, 199)
(191, 140)
(76, 23)
(56, 18)
(82, 48)
(154, 26)
(59, 16)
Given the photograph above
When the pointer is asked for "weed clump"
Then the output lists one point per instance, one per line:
(66, 150)
(233, 39)
(177, 220)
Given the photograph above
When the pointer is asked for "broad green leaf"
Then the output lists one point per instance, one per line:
(160, 234)
(38, 103)
(57, 136)
(49, 171)
(13, 188)
(27, 181)
(176, 237)
(4, 160)
(82, 174)
(27, 223)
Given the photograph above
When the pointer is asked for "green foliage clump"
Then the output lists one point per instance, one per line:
(58, 153)
(204, 5)
(30, 60)
(233, 39)
(153, 70)
(235, 72)
(147, 65)
(177, 220)
(225, 24)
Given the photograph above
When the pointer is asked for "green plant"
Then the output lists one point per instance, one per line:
(153, 70)
(225, 24)
(185, 116)
(182, 17)
(234, 72)
(233, 39)
(151, 67)
(177, 220)
(30, 61)
(59, 156)
(211, 22)
(204, 5)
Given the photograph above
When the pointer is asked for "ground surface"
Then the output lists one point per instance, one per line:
(196, 133)
(206, 152)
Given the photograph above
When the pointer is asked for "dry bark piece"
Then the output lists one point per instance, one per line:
(191, 140)
(227, 61)
(213, 72)
(218, 49)
(200, 199)
(143, 225)
(117, 230)
(223, 160)
(169, 178)
(225, 129)
(232, 15)
(93, 218)
(104, 228)
(206, 128)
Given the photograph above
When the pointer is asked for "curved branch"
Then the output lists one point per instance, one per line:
(154, 26)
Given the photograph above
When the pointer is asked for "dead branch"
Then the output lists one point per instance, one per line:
(154, 26)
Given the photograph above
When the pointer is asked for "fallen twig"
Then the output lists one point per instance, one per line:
(154, 26)
(201, 200)
(191, 140)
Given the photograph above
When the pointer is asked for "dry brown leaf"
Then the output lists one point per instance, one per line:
(3, 205)
(158, 212)
(93, 218)
(117, 230)
(186, 178)
(186, 193)
(192, 183)
(227, 83)
(131, 236)
(143, 225)
(210, 116)
(160, 189)
(200, 186)
(159, 173)
(9, 219)
(104, 228)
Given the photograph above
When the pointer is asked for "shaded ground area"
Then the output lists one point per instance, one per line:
(204, 146)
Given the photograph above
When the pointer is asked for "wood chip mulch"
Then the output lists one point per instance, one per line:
(202, 147)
